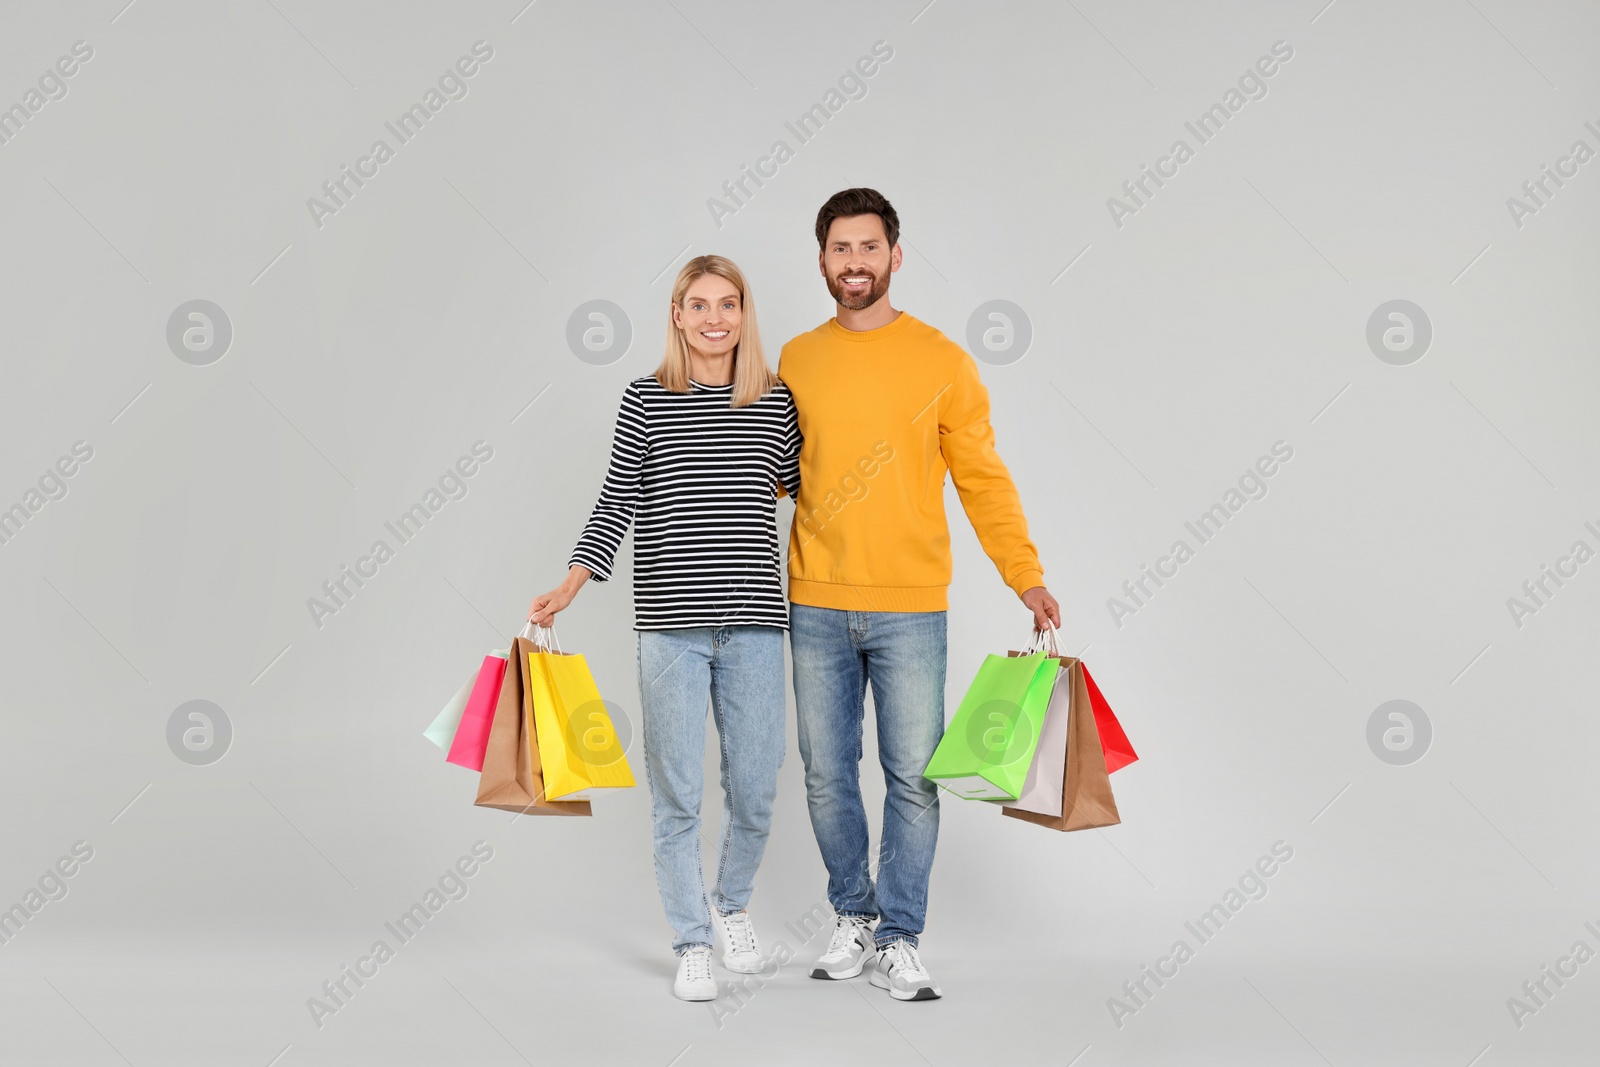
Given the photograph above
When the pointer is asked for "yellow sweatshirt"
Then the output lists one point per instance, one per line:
(885, 413)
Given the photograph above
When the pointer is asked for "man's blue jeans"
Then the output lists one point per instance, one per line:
(901, 655)
(738, 670)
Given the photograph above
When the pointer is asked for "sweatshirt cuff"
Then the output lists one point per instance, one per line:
(1027, 580)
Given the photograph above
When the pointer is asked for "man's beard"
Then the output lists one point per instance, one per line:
(879, 289)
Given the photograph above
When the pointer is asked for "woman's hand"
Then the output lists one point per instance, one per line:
(542, 611)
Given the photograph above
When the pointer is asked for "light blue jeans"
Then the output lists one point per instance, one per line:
(739, 670)
(901, 655)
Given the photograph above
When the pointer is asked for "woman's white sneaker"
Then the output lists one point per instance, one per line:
(848, 951)
(694, 980)
(740, 952)
(901, 972)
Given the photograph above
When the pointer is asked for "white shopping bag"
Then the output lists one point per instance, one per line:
(1042, 789)
(443, 728)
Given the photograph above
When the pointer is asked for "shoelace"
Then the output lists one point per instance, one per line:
(844, 932)
(741, 935)
(697, 964)
(904, 961)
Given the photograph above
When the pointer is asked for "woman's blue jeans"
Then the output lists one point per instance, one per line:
(738, 670)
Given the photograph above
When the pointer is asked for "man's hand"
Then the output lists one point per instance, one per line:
(1046, 612)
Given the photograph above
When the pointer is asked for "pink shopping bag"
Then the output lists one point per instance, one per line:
(472, 736)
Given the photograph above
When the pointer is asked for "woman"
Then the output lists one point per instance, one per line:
(700, 449)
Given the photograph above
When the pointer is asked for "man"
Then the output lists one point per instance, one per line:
(887, 406)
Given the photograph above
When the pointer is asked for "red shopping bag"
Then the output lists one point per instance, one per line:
(1113, 740)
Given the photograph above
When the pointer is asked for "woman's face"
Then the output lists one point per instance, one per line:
(710, 315)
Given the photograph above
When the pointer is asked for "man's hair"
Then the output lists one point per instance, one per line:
(844, 204)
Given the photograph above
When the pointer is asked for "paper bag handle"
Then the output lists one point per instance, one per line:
(545, 639)
(1046, 641)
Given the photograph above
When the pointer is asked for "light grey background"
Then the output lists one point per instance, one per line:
(1167, 355)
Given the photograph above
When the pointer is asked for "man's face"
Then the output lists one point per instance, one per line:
(857, 260)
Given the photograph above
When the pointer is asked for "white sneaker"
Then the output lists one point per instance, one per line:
(740, 952)
(848, 950)
(901, 972)
(694, 981)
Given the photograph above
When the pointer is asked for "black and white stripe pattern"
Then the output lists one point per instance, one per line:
(696, 478)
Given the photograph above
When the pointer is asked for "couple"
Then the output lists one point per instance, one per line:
(866, 415)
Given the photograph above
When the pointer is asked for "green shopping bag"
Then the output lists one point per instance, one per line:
(986, 749)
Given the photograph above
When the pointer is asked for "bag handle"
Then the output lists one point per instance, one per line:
(545, 639)
(1046, 641)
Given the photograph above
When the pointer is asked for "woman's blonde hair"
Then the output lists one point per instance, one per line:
(752, 378)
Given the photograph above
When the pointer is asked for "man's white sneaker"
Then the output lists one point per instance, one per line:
(901, 972)
(694, 980)
(740, 952)
(849, 949)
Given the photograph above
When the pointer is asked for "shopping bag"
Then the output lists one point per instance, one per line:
(578, 744)
(986, 749)
(1119, 751)
(1085, 800)
(444, 725)
(472, 736)
(1042, 788)
(512, 778)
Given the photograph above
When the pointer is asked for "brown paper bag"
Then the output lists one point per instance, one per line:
(511, 778)
(1086, 800)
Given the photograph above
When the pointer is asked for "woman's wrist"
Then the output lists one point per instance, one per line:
(576, 576)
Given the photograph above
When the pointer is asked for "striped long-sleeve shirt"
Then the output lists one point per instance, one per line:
(697, 479)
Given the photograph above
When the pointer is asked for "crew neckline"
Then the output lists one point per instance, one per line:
(703, 385)
(877, 334)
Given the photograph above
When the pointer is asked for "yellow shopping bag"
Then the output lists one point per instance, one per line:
(578, 744)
